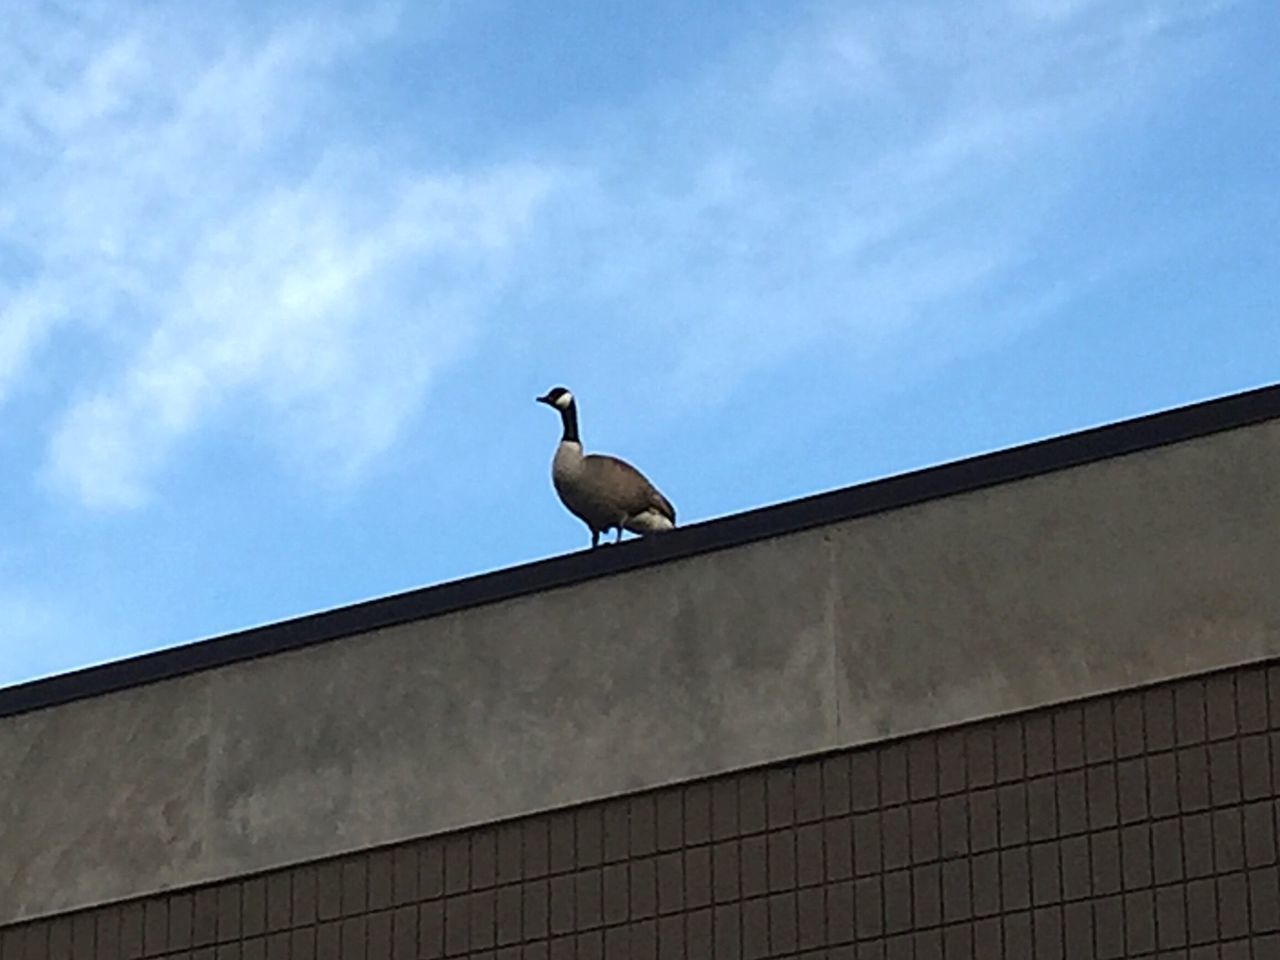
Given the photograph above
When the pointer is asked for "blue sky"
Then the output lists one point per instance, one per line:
(278, 283)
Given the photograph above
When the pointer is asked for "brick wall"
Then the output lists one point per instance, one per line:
(1142, 824)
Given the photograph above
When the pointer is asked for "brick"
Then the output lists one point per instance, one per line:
(671, 938)
(957, 894)
(782, 923)
(1017, 935)
(1157, 715)
(782, 860)
(986, 884)
(698, 935)
(670, 882)
(895, 832)
(755, 866)
(953, 817)
(1046, 876)
(1233, 906)
(1193, 778)
(951, 762)
(811, 913)
(644, 825)
(535, 909)
(1251, 701)
(1038, 737)
(725, 871)
(1070, 741)
(1135, 856)
(670, 819)
(1015, 878)
(1264, 899)
(840, 912)
(868, 901)
(1259, 834)
(507, 916)
(866, 844)
(1228, 840)
(1108, 928)
(780, 796)
(755, 929)
(697, 877)
(1171, 918)
(810, 862)
(924, 831)
(1129, 712)
(897, 902)
(329, 943)
(864, 780)
(752, 805)
(643, 883)
(1012, 814)
(1104, 858)
(1131, 790)
(697, 818)
(1077, 929)
(926, 891)
(380, 882)
(1100, 785)
(1010, 764)
(457, 868)
(983, 822)
(563, 842)
(1098, 732)
(1255, 767)
(986, 938)
(807, 783)
(1042, 809)
(587, 946)
(430, 871)
(1202, 912)
(1077, 881)
(302, 946)
(1072, 802)
(1197, 845)
(1189, 711)
(957, 943)
(1162, 780)
(457, 926)
(980, 755)
(727, 932)
(1139, 922)
(616, 891)
(922, 767)
(894, 774)
(837, 791)
(838, 852)
(1224, 773)
(1220, 706)
(588, 898)
(1047, 933)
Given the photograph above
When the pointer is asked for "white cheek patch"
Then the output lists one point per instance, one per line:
(562, 402)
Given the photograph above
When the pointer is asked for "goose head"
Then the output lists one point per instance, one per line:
(558, 397)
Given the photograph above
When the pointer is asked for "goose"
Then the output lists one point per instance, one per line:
(602, 491)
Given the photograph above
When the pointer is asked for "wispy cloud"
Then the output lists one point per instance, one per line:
(870, 174)
(844, 183)
(177, 199)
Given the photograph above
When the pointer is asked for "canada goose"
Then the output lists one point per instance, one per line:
(603, 492)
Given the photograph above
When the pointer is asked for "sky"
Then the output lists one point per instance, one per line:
(279, 282)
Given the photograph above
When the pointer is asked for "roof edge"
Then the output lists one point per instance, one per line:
(890, 493)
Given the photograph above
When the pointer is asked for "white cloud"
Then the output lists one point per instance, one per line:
(865, 175)
(177, 198)
(844, 183)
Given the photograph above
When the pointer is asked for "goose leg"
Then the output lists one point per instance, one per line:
(595, 538)
(617, 537)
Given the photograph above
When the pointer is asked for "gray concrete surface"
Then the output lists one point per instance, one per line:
(1121, 572)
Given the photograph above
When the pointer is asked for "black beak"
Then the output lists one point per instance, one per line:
(546, 399)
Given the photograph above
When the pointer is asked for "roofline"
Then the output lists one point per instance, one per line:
(962, 476)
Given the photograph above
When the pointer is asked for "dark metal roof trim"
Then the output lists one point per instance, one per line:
(975, 473)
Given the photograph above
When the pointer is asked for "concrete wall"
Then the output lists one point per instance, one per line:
(1126, 571)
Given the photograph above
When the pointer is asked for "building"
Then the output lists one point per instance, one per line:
(1024, 705)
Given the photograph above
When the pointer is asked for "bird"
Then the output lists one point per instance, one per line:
(604, 492)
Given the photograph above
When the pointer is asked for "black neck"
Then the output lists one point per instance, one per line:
(569, 417)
